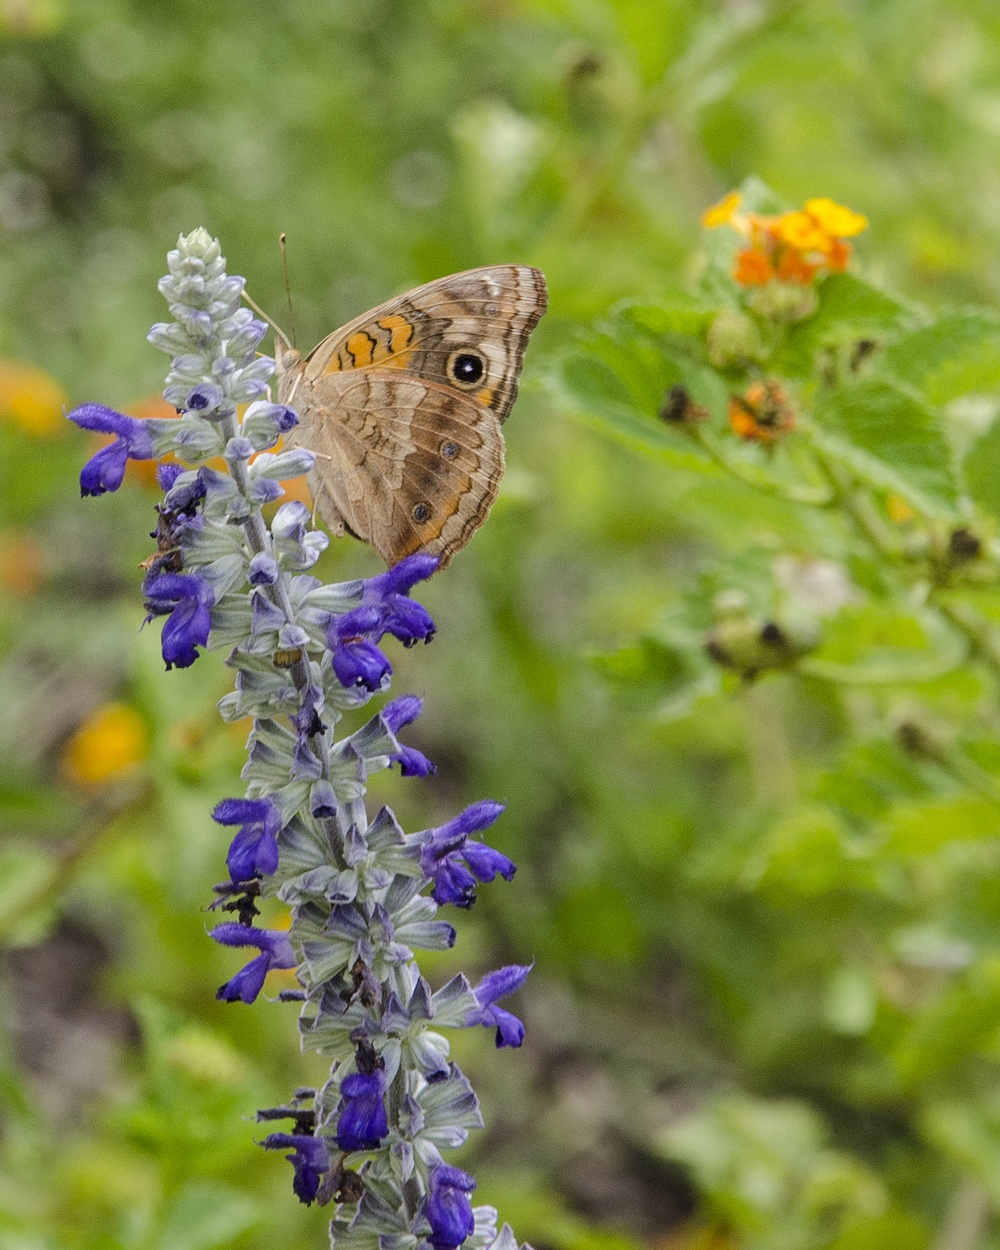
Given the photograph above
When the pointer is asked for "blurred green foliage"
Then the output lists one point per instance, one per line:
(766, 1005)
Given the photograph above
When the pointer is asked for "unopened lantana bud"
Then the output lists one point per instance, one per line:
(734, 340)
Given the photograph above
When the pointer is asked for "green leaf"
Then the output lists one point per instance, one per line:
(668, 319)
(959, 1022)
(847, 301)
(618, 379)
(890, 439)
(876, 643)
(954, 355)
(673, 675)
(981, 469)
(849, 309)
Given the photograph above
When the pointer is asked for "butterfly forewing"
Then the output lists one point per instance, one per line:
(403, 407)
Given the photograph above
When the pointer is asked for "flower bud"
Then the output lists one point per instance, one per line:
(733, 340)
(784, 303)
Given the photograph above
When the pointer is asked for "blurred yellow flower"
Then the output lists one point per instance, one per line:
(722, 212)
(110, 742)
(801, 231)
(31, 399)
(835, 219)
(899, 510)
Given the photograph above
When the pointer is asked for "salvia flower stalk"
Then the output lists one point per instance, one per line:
(363, 894)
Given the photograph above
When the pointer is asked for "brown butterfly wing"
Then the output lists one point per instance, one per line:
(403, 463)
(490, 312)
(403, 407)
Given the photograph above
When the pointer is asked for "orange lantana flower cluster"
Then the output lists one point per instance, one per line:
(792, 247)
(762, 413)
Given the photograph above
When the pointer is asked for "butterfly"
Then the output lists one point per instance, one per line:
(403, 408)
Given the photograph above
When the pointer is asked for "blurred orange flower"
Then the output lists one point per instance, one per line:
(761, 413)
(793, 246)
(32, 399)
(22, 564)
(110, 742)
(753, 267)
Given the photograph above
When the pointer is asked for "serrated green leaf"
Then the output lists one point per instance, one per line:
(849, 308)
(850, 301)
(891, 440)
(617, 380)
(936, 358)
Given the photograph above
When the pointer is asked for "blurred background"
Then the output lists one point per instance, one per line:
(711, 1062)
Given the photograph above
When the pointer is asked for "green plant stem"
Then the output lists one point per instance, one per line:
(969, 774)
(769, 752)
(794, 494)
(858, 507)
(982, 635)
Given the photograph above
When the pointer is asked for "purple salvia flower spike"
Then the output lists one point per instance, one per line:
(362, 894)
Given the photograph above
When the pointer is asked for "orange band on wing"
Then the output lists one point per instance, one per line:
(400, 332)
(362, 348)
(384, 342)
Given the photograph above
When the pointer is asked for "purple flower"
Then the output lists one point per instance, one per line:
(362, 1124)
(358, 662)
(275, 952)
(187, 498)
(400, 712)
(310, 1158)
(254, 850)
(384, 609)
(510, 1030)
(167, 472)
(188, 599)
(455, 864)
(448, 1210)
(204, 398)
(106, 470)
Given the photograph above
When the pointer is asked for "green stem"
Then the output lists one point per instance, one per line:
(856, 505)
(772, 764)
(794, 494)
(982, 635)
(968, 773)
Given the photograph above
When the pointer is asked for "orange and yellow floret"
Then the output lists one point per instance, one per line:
(792, 247)
(762, 413)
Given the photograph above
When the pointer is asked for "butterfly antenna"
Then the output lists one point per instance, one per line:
(261, 313)
(288, 285)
